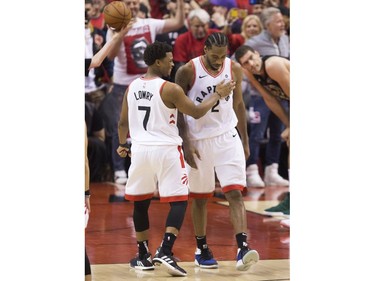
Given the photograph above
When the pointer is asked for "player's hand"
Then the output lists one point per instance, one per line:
(285, 135)
(123, 151)
(189, 153)
(225, 89)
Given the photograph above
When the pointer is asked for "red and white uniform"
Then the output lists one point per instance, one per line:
(157, 158)
(221, 118)
(214, 135)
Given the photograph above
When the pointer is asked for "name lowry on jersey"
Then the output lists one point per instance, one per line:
(143, 95)
(210, 90)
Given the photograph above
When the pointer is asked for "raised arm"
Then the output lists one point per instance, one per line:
(115, 38)
(239, 108)
(175, 23)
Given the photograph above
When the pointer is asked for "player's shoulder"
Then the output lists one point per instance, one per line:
(171, 87)
(236, 67)
(277, 61)
(186, 69)
(234, 63)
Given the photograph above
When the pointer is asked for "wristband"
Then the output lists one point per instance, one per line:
(124, 145)
(87, 192)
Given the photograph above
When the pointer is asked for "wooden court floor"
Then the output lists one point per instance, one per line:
(110, 238)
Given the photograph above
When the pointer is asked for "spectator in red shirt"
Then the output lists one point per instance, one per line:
(97, 18)
(190, 44)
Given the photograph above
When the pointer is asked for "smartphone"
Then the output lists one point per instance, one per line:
(234, 13)
(238, 13)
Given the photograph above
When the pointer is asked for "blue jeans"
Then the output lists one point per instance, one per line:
(111, 110)
(258, 131)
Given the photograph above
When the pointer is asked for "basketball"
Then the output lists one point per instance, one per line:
(117, 15)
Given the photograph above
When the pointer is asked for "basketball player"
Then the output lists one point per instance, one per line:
(212, 144)
(149, 112)
(271, 76)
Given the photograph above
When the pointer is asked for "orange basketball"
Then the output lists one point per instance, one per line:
(117, 15)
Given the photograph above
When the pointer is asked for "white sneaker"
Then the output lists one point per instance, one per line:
(121, 177)
(272, 177)
(246, 258)
(253, 178)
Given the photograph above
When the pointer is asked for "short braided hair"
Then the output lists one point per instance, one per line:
(217, 39)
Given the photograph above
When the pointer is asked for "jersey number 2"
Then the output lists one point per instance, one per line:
(147, 115)
(213, 109)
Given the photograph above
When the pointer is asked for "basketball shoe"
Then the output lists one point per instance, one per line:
(169, 262)
(142, 264)
(205, 259)
(246, 258)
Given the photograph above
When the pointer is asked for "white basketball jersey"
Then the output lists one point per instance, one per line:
(151, 122)
(221, 117)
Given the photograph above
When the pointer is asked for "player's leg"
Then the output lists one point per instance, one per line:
(173, 188)
(202, 186)
(143, 260)
(230, 170)
(140, 189)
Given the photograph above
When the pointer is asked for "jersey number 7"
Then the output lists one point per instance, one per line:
(147, 115)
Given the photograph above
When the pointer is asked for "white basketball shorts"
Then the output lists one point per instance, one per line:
(161, 166)
(224, 155)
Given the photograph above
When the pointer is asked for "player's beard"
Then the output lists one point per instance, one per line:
(213, 67)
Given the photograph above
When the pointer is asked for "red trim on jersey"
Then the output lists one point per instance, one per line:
(201, 195)
(181, 156)
(174, 198)
(162, 86)
(194, 74)
(138, 197)
(232, 187)
(208, 72)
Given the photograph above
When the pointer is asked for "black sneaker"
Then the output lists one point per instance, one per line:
(144, 264)
(168, 261)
